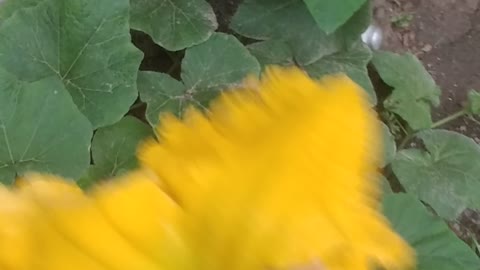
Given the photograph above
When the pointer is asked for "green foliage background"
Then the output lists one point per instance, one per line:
(77, 96)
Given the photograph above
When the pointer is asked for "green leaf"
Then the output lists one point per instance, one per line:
(114, 148)
(414, 89)
(213, 66)
(282, 19)
(389, 146)
(446, 175)
(352, 62)
(87, 180)
(290, 21)
(84, 43)
(272, 52)
(174, 25)
(266, 20)
(385, 185)
(331, 14)
(216, 64)
(436, 246)
(473, 102)
(8, 7)
(162, 93)
(41, 130)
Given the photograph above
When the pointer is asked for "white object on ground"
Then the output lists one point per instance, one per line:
(373, 37)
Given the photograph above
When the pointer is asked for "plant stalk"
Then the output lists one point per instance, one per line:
(439, 123)
(449, 118)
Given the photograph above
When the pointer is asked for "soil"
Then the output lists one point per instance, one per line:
(445, 36)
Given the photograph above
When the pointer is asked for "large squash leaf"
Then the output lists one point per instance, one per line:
(174, 25)
(86, 44)
(352, 62)
(446, 175)
(114, 149)
(41, 130)
(437, 247)
(414, 90)
(290, 20)
(208, 68)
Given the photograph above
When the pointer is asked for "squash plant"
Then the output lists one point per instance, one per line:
(77, 94)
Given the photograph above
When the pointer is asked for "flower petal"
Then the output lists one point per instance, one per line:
(120, 226)
(278, 174)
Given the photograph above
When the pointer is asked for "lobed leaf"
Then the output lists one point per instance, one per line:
(272, 52)
(446, 175)
(352, 62)
(86, 44)
(215, 65)
(290, 21)
(437, 247)
(473, 102)
(41, 129)
(114, 148)
(174, 25)
(414, 90)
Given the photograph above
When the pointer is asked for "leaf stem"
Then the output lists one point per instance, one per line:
(409, 135)
(449, 118)
(474, 120)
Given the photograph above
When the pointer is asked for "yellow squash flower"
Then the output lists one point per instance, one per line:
(277, 175)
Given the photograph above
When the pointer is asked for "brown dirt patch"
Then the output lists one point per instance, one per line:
(445, 35)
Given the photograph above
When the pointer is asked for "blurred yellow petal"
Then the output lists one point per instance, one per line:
(121, 226)
(278, 174)
(145, 215)
(16, 246)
